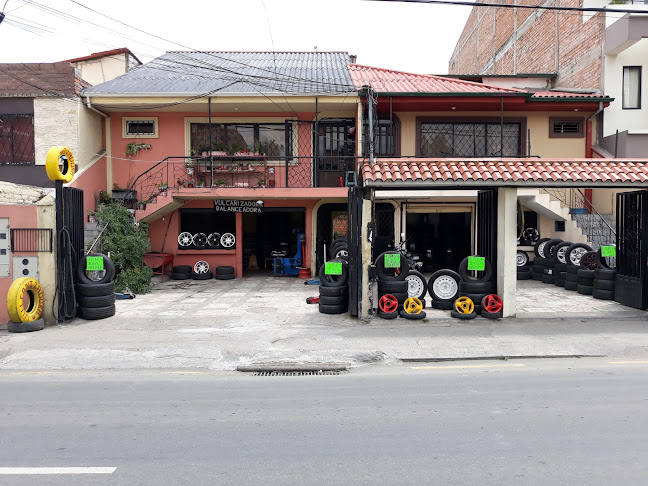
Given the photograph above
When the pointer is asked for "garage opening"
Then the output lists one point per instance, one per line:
(275, 231)
(440, 237)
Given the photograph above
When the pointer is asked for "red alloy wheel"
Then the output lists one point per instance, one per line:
(388, 303)
(588, 261)
(492, 303)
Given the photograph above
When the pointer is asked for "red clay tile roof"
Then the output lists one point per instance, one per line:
(37, 79)
(506, 172)
(388, 81)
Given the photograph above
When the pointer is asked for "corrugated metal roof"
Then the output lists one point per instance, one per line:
(567, 95)
(388, 81)
(194, 73)
(591, 172)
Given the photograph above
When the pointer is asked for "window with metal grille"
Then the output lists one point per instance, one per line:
(16, 139)
(28, 239)
(470, 139)
(566, 128)
(266, 138)
(385, 138)
(140, 127)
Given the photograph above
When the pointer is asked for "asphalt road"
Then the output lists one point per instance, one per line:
(570, 422)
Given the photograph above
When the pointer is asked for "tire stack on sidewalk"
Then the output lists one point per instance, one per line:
(392, 281)
(95, 290)
(538, 267)
(560, 265)
(181, 272)
(476, 288)
(225, 273)
(573, 255)
(333, 290)
(523, 266)
(339, 249)
(586, 273)
(444, 289)
(549, 274)
(604, 285)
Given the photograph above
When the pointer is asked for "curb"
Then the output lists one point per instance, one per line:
(500, 358)
(293, 367)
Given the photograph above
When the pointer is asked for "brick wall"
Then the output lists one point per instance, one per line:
(518, 41)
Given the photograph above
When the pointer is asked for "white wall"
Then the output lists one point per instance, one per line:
(97, 71)
(55, 123)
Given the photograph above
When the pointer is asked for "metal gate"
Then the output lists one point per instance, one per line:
(355, 249)
(632, 249)
(487, 227)
(73, 220)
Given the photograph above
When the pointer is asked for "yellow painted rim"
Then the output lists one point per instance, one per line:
(16, 307)
(59, 164)
(464, 305)
(412, 305)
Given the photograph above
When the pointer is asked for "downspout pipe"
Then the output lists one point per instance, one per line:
(94, 109)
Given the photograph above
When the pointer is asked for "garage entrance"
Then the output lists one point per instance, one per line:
(274, 230)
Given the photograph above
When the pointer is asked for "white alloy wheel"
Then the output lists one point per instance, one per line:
(342, 253)
(185, 239)
(228, 240)
(576, 254)
(541, 247)
(415, 286)
(201, 266)
(200, 239)
(445, 287)
(522, 258)
(560, 254)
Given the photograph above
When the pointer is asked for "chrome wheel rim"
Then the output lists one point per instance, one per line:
(201, 267)
(576, 255)
(445, 287)
(185, 239)
(541, 249)
(228, 240)
(521, 259)
(560, 254)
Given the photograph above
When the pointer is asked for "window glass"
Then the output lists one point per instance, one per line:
(140, 127)
(272, 140)
(631, 87)
(469, 139)
(268, 138)
(17, 139)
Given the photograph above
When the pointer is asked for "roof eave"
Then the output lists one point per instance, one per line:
(452, 94)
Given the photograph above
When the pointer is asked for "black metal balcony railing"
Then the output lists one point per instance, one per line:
(242, 171)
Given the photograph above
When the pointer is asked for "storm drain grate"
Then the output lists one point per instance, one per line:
(296, 373)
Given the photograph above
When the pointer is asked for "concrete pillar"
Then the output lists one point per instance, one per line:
(365, 305)
(46, 214)
(507, 248)
(239, 245)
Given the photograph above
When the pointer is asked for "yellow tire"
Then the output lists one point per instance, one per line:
(19, 311)
(59, 164)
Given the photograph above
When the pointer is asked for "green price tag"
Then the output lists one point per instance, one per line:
(94, 263)
(476, 263)
(392, 260)
(608, 251)
(333, 268)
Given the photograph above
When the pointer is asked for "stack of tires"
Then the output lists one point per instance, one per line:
(604, 284)
(225, 273)
(560, 264)
(523, 265)
(585, 274)
(181, 272)
(334, 290)
(443, 287)
(392, 281)
(475, 288)
(339, 249)
(25, 316)
(573, 256)
(95, 289)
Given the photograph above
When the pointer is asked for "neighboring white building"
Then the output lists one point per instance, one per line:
(103, 66)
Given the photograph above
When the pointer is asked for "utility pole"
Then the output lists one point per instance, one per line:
(370, 107)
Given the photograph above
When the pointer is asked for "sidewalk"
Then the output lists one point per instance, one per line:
(222, 324)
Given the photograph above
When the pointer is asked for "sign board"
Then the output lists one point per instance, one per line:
(608, 251)
(333, 268)
(392, 260)
(94, 263)
(237, 206)
(476, 263)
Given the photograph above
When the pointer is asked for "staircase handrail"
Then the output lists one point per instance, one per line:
(166, 159)
(591, 206)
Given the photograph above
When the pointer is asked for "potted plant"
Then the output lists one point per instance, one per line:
(200, 183)
(261, 182)
(219, 182)
(121, 194)
(162, 189)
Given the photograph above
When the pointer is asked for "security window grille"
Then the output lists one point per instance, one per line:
(384, 139)
(17, 139)
(631, 87)
(37, 239)
(470, 139)
(266, 138)
(566, 128)
(140, 127)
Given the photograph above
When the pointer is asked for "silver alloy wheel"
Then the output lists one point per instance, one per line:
(201, 266)
(541, 247)
(576, 254)
(228, 240)
(200, 239)
(522, 258)
(415, 286)
(560, 254)
(445, 287)
(213, 239)
(185, 239)
(342, 253)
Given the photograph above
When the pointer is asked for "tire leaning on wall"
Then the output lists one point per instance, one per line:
(54, 171)
(16, 308)
(109, 269)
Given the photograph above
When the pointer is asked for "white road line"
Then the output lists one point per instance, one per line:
(467, 366)
(56, 470)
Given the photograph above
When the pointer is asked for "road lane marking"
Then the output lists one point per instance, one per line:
(467, 366)
(627, 362)
(56, 470)
(183, 372)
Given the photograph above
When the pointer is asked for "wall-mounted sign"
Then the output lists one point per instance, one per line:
(237, 206)
(608, 251)
(333, 268)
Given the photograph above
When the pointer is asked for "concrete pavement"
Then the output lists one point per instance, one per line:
(222, 324)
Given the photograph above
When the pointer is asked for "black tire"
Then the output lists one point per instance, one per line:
(522, 259)
(109, 268)
(557, 249)
(90, 313)
(603, 294)
(491, 315)
(180, 276)
(476, 298)
(400, 297)
(29, 326)
(605, 274)
(548, 279)
(413, 317)
(389, 273)
(549, 249)
(571, 285)
(202, 276)
(465, 276)
(334, 280)
(523, 270)
(341, 251)
(604, 284)
(334, 300)
(540, 262)
(444, 286)
(231, 276)
(477, 287)
(94, 302)
(418, 288)
(571, 277)
(224, 270)
(465, 317)
(334, 244)
(602, 261)
(524, 276)
(559, 282)
(333, 291)
(539, 245)
(389, 286)
(333, 309)
(183, 269)
(387, 315)
(443, 304)
(588, 274)
(571, 259)
(95, 290)
(588, 258)
(573, 269)
(560, 268)
(588, 282)
(584, 289)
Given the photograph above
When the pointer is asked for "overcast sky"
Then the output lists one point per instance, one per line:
(403, 36)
